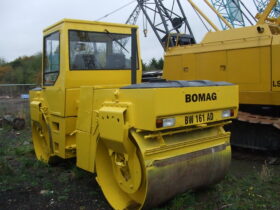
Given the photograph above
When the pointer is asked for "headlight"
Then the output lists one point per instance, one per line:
(165, 122)
(228, 113)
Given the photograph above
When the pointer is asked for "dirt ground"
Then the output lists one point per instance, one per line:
(28, 184)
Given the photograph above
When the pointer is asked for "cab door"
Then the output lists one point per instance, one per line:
(53, 84)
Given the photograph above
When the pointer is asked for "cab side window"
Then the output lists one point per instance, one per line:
(51, 58)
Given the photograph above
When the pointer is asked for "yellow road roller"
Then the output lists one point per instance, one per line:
(146, 142)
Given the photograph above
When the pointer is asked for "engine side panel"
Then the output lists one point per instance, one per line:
(243, 56)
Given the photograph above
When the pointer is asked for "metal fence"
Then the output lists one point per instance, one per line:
(14, 100)
(14, 90)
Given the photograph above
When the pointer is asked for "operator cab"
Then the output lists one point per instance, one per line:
(88, 48)
(80, 53)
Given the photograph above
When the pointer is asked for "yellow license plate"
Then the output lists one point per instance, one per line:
(199, 118)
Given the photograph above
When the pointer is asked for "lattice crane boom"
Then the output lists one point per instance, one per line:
(261, 5)
(169, 24)
(231, 11)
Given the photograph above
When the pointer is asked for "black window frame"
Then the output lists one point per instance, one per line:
(44, 58)
(128, 69)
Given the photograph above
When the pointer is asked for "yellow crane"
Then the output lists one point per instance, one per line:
(146, 142)
(247, 56)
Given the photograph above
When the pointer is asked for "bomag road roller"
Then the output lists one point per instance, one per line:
(145, 142)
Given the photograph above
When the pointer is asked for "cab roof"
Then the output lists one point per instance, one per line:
(65, 21)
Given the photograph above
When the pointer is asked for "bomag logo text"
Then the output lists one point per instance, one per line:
(199, 97)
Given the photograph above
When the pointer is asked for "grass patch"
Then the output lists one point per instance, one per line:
(259, 190)
(5, 169)
(64, 184)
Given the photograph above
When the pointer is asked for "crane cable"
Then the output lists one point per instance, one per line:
(116, 10)
(145, 23)
(252, 16)
(201, 19)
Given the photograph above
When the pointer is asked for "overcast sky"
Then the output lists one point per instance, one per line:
(22, 22)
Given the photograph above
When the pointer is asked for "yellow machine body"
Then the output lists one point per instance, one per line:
(145, 142)
(245, 56)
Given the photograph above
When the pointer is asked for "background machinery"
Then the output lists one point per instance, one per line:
(244, 55)
(145, 142)
(262, 4)
(231, 11)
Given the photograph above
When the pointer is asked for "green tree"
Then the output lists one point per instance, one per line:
(160, 64)
(22, 70)
(153, 64)
(144, 66)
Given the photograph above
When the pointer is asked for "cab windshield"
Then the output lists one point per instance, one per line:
(97, 51)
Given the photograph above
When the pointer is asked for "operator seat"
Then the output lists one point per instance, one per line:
(84, 61)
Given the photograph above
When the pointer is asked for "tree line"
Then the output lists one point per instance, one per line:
(27, 69)
(23, 70)
(154, 64)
